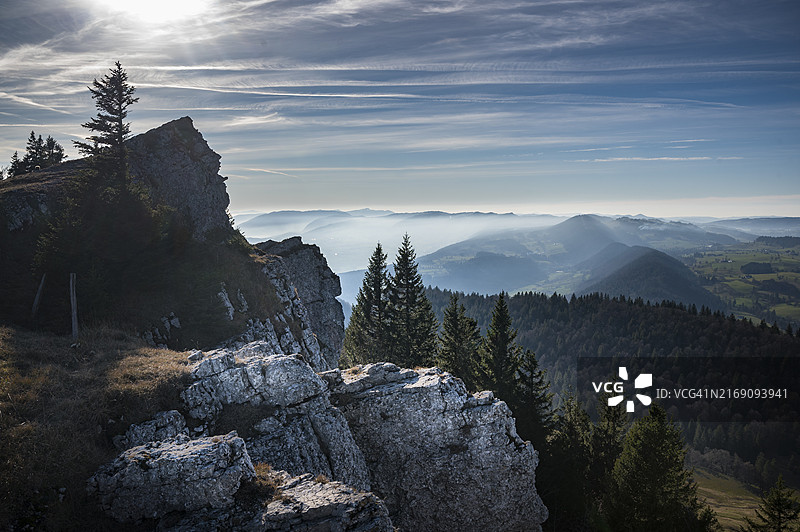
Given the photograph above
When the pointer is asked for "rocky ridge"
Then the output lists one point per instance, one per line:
(434, 457)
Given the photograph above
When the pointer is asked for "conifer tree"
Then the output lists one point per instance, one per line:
(567, 495)
(651, 489)
(459, 343)
(532, 402)
(34, 153)
(113, 95)
(412, 323)
(365, 339)
(501, 356)
(53, 152)
(608, 436)
(778, 511)
(16, 167)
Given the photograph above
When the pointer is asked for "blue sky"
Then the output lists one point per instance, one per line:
(621, 107)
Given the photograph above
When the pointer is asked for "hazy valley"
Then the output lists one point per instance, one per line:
(487, 253)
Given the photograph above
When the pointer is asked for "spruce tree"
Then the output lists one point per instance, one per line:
(652, 490)
(113, 95)
(567, 495)
(459, 343)
(34, 153)
(778, 511)
(501, 356)
(16, 167)
(608, 436)
(532, 402)
(365, 339)
(412, 323)
(53, 152)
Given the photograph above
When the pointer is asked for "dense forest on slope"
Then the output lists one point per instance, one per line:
(559, 330)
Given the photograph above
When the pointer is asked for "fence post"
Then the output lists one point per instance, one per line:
(38, 297)
(74, 304)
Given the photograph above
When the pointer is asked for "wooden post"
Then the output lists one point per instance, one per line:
(38, 297)
(73, 300)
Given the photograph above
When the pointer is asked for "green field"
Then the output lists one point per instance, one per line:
(768, 296)
(729, 498)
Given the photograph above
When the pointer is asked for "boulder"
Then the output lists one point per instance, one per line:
(299, 504)
(150, 481)
(441, 459)
(163, 426)
(287, 415)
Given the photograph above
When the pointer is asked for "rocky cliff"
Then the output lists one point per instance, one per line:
(180, 170)
(317, 286)
(434, 457)
(268, 435)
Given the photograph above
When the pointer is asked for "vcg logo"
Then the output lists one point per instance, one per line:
(645, 380)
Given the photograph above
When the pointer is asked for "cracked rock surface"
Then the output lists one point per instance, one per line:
(441, 459)
(152, 480)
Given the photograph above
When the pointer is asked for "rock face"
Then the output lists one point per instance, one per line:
(181, 171)
(152, 480)
(317, 286)
(439, 458)
(291, 422)
(164, 426)
(299, 504)
(308, 505)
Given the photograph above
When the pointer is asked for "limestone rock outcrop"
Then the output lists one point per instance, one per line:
(291, 424)
(299, 504)
(317, 287)
(163, 426)
(176, 164)
(149, 481)
(440, 458)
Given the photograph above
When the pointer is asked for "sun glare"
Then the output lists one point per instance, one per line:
(156, 11)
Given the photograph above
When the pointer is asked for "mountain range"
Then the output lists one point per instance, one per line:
(486, 253)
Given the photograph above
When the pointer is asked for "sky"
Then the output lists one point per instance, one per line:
(665, 108)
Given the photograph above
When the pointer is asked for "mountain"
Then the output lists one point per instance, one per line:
(348, 238)
(787, 226)
(649, 274)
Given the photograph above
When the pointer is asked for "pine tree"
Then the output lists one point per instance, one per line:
(113, 95)
(778, 511)
(366, 336)
(53, 152)
(459, 343)
(608, 436)
(651, 489)
(501, 356)
(412, 323)
(16, 167)
(566, 475)
(34, 153)
(532, 402)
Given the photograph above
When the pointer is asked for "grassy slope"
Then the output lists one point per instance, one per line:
(59, 408)
(729, 498)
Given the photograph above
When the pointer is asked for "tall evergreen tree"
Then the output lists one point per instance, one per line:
(532, 402)
(53, 152)
(459, 343)
(16, 167)
(608, 436)
(501, 356)
(34, 153)
(412, 323)
(567, 494)
(778, 511)
(365, 339)
(652, 490)
(113, 95)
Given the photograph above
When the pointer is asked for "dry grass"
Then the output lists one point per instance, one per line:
(59, 408)
(728, 497)
(260, 490)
